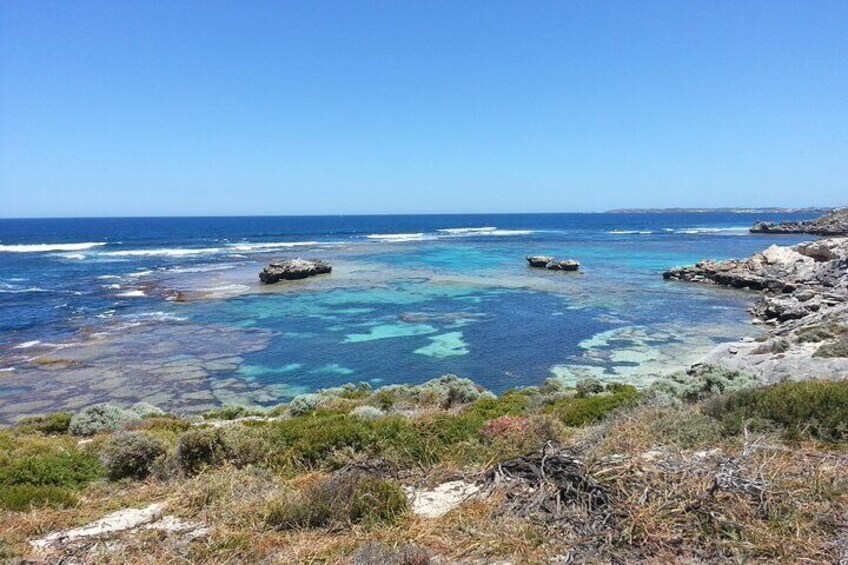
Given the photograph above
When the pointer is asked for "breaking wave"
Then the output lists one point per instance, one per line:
(49, 247)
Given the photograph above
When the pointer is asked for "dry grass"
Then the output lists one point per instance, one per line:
(680, 487)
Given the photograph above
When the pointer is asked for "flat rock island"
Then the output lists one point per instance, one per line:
(552, 263)
(293, 269)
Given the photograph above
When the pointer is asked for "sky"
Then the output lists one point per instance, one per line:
(138, 108)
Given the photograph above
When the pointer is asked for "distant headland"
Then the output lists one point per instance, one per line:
(719, 210)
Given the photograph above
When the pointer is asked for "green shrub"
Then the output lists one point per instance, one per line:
(776, 345)
(101, 418)
(817, 408)
(348, 391)
(450, 390)
(685, 428)
(306, 403)
(340, 501)
(309, 439)
(52, 424)
(146, 410)
(164, 424)
(700, 382)
(838, 348)
(367, 412)
(815, 334)
(384, 399)
(201, 448)
(231, 413)
(588, 387)
(579, 411)
(21, 498)
(511, 403)
(131, 455)
(249, 445)
(71, 470)
(303, 404)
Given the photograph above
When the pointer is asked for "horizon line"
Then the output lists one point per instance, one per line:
(637, 210)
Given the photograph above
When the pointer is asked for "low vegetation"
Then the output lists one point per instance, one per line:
(838, 348)
(340, 501)
(702, 466)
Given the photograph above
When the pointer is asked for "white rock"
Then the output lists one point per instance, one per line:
(119, 521)
(150, 518)
(439, 501)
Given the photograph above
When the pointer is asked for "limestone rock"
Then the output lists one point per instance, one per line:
(805, 300)
(831, 224)
(292, 269)
(552, 263)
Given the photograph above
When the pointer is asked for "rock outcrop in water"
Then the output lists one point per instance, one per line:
(552, 264)
(805, 303)
(292, 269)
(834, 223)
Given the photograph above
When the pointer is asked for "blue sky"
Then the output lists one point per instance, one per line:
(210, 107)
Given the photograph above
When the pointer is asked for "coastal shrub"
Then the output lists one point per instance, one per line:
(450, 390)
(379, 554)
(231, 413)
(776, 345)
(20, 498)
(307, 440)
(511, 403)
(303, 404)
(815, 334)
(684, 427)
(349, 391)
(815, 408)
(164, 425)
(340, 501)
(146, 410)
(505, 427)
(384, 399)
(557, 386)
(579, 411)
(700, 382)
(101, 418)
(71, 469)
(249, 445)
(51, 424)
(201, 448)
(838, 348)
(367, 412)
(131, 455)
(588, 387)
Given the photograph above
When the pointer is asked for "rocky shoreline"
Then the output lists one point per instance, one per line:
(834, 223)
(805, 304)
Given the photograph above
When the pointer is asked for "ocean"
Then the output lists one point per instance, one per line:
(170, 310)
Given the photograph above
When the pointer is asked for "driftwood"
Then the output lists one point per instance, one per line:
(551, 486)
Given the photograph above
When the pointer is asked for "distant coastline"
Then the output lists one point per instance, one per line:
(719, 210)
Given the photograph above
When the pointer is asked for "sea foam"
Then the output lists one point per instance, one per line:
(168, 252)
(269, 246)
(49, 247)
(397, 237)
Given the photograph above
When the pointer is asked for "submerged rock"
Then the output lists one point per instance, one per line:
(292, 269)
(552, 263)
(834, 223)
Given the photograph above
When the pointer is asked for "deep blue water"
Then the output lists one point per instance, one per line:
(410, 298)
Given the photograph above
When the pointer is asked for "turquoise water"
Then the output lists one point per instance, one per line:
(171, 311)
